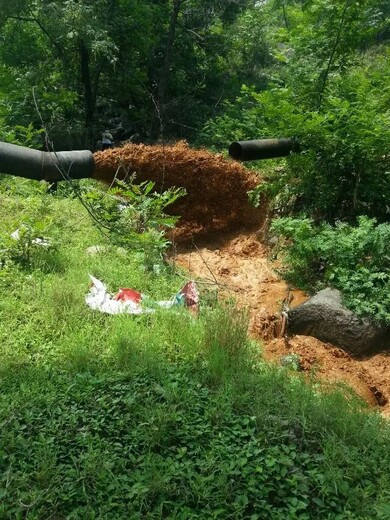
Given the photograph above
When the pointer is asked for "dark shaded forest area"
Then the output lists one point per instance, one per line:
(149, 67)
(169, 68)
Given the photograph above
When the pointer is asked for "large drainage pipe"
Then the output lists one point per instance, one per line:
(262, 149)
(80, 164)
(49, 166)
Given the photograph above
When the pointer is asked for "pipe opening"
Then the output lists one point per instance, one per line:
(235, 151)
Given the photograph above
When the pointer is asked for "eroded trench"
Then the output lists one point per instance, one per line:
(220, 239)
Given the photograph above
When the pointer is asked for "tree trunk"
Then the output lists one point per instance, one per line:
(332, 54)
(165, 71)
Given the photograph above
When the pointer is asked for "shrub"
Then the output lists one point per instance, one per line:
(354, 260)
(343, 168)
(32, 243)
(133, 216)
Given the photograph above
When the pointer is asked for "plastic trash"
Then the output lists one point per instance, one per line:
(39, 241)
(130, 301)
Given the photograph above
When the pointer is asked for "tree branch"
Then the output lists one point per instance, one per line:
(332, 54)
(34, 19)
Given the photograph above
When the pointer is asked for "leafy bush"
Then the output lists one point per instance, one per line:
(133, 215)
(355, 260)
(32, 242)
(343, 169)
(21, 135)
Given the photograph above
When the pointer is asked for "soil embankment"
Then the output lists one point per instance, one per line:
(219, 238)
(216, 187)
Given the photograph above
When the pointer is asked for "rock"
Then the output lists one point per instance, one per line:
(324, 317)
(96, 250)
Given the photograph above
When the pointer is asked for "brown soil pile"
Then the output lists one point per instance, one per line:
(216, 187)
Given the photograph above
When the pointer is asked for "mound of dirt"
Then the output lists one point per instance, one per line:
(216, 187)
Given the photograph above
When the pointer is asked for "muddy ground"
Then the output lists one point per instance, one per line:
(220, 239)
(238, 264)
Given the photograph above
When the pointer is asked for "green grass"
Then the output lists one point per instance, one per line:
(160, 416)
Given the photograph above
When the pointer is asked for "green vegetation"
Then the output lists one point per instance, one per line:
(157, 416)
(164, 415)
(139, 223)
(343, 168)
(355, 260)
(328, 85)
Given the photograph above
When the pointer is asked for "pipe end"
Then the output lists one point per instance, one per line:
(235, 151)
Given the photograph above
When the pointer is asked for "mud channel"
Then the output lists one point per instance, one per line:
(220, 239)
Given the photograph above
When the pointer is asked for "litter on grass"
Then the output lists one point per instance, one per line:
(39, 241)
(130, 301)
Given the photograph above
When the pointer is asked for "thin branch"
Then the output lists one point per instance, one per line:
(285, 16)
(205, 263)
(66, 175)
(330, 61)
(56, 45)
(21, 18)
(190, 31)
(161, 122)
(220, 97)
(48, 144)
(33, 19)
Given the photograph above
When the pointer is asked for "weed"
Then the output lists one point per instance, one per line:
(225, 341)
(352, 259)
(133, 215)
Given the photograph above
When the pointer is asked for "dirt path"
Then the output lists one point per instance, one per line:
(238, 265)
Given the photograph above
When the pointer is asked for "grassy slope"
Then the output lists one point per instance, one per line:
(159, 416)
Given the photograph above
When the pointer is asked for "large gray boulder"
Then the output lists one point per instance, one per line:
(324, 317)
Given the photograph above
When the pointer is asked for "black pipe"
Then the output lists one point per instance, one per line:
(48, 166)
(262, 149)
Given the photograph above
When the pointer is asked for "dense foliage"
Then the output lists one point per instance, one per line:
(213, 71)
(141, 66)
(355, 260)
(332, 92)
(328, 85)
